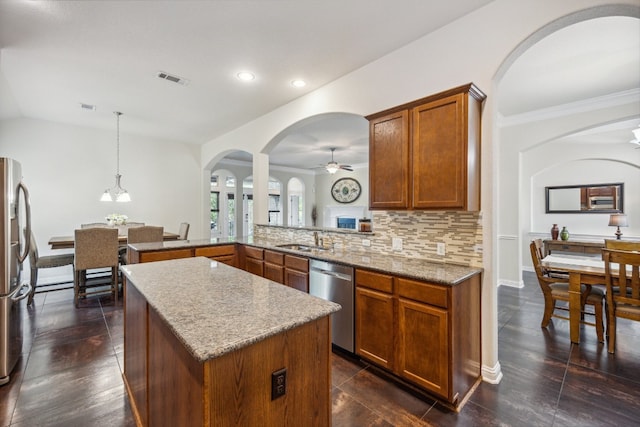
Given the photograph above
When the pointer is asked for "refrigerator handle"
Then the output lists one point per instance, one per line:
(23, 296)
(27, 212)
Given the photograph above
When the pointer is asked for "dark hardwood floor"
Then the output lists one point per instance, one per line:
(70, 374)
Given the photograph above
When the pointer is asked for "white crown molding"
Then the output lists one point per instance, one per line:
(591, 104)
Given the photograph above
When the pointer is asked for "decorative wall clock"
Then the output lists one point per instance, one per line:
(346, 190)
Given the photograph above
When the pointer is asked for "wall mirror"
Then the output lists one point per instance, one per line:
(591, 198)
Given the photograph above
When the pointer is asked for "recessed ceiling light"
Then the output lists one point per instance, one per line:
(298, 83)
(87, 106)
(245, 76)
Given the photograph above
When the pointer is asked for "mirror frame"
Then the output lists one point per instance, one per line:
(620, 203)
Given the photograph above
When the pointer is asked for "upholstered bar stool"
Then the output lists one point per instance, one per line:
(48, 261)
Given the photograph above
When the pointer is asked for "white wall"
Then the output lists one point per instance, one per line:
(533, 154)
(325, 181)
(471, 49)
(67, 168)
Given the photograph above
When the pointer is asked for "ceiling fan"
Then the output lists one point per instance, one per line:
(636, 140)
(333, 166)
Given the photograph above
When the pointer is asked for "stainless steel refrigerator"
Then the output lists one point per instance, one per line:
(15, 225)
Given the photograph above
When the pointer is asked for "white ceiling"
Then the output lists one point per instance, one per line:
(58, 54)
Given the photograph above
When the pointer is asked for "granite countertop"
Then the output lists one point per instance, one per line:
(420, 269)
(215, 309)
(182, 244)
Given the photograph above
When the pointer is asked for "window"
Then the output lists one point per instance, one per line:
(215, 210)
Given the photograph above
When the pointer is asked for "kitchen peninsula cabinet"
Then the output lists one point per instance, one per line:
(290, 270)
(296, 272)
(163, 251)
(274, 266)
(222, 253)
(424, 333)
(426, 154)
(253, 260)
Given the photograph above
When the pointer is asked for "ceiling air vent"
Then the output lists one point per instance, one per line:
(172, 78)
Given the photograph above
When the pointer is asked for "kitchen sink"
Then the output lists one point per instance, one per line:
(301, 247)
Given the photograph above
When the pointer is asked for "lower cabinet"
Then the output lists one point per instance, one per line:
(225, 254)
(222, 253)
(254, 260)
(423, 333)
(274, 266)
(296, 272)
(290, 270)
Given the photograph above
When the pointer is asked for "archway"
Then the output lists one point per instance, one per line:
(516, 215)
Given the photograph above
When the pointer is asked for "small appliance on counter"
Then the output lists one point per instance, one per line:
(13, 252)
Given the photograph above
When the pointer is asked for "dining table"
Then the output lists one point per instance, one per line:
(588, 270)
(67, 242)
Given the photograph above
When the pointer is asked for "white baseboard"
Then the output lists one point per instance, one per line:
(511, 283)
(492, 375)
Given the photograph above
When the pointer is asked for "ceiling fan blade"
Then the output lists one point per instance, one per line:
(346, 167)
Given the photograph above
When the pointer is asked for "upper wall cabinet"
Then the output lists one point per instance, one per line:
(426, 154)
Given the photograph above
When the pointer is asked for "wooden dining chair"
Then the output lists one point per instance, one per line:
(622, 245)
(556, 289)
(95, 248)
(48, 261)
(623, 294)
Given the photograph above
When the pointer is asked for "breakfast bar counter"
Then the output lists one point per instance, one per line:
(208, 344)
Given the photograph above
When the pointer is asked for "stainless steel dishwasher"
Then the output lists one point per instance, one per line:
(334, 282)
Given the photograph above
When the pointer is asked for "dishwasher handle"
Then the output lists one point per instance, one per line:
(341, 276)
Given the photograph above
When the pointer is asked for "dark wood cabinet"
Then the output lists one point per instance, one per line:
(225, 254)
(426, 154)
(374, 326)
(290, 270)
(423, 333)
(296, 272)
(254, 260)
(222, 253)
(389, 161)
(423, 346)
(274, 266)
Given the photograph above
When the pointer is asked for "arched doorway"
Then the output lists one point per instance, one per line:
(573, 54)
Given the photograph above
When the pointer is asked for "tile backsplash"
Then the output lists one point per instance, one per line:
(420, 231)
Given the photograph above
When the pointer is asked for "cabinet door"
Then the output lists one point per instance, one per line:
(224, 253)
(439, 153)
(297, 279)
(374, 327)
(274, 272)
(389, 161)
(255, 266)
(423, 346)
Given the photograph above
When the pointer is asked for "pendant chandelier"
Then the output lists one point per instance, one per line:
(116, 193)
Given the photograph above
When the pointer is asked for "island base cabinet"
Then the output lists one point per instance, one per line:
(175, 379)
(167, 386)
(245, 379)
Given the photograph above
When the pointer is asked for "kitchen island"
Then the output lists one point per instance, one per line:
(208, 344)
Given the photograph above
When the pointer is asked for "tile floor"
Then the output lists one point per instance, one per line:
(70, 374)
